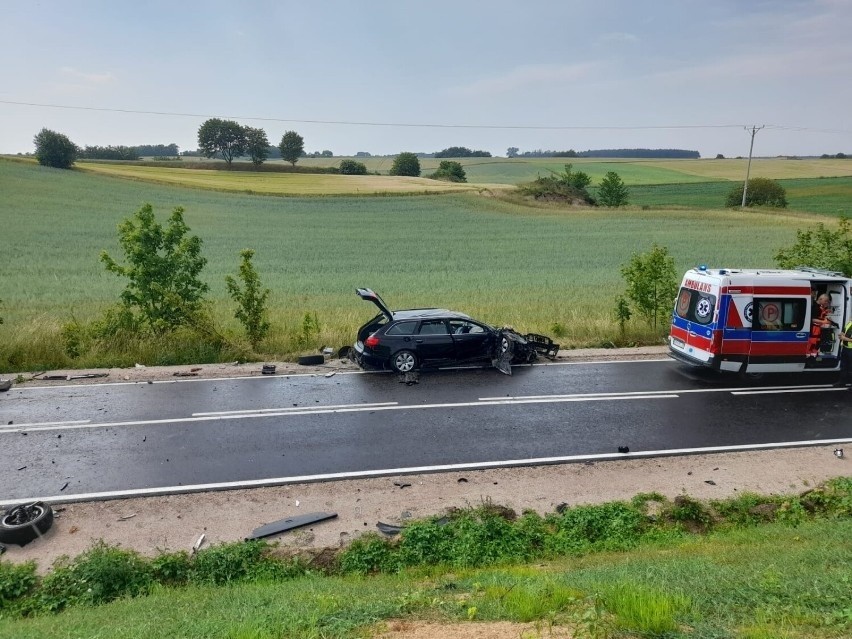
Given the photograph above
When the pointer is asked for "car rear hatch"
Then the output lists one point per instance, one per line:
(377, 322)
(370, 296)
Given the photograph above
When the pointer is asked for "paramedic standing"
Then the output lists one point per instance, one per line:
(846, 354)
(819, 321)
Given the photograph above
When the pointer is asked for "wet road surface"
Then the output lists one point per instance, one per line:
(106, 440)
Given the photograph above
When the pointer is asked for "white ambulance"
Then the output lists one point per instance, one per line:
(759, 320)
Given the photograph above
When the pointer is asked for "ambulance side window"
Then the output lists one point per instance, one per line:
(779, 315)
(695, 306)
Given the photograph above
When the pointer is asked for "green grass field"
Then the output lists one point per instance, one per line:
(638, 171)
(825, 196)
(507, 263)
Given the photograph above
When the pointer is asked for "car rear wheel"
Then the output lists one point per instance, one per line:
(404, 362)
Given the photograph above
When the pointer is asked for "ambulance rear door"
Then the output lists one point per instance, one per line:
(695, 332)
(781, 319)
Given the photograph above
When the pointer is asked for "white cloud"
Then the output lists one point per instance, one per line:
(618, 36)
(75, 75)
(529, 76)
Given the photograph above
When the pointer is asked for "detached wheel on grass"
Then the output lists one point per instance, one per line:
(311, 360)
(21, 524)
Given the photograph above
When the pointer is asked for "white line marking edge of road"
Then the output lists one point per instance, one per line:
(368, 474)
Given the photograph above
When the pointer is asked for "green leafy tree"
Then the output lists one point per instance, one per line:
(651, 283)
(406, 164)
(55, 149)
(163, 265)
(250, 298)
(450, 171)
(612, 191)
(351, 167)
(512, 152)
(222, 137)
(257, 145)
(292, 146)
(820, 247)
(761, 192)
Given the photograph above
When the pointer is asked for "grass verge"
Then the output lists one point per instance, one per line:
(763, 567)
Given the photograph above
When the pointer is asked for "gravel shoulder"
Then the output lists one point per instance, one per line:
(176, 522)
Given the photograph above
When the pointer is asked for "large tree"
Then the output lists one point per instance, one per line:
(222, 137)
(406, 163)
(292, 146)
(257, 145)
(54, 149)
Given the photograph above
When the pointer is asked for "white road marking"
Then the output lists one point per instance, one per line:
(733, 390)
(319, 410)
(288, 409)
(41, 424)
(791, 390)
(366, 474)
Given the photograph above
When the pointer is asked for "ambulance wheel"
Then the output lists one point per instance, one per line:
(751, 377)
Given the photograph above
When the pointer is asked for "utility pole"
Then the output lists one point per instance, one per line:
(754, 130)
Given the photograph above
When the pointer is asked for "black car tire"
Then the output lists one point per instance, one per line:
(404, 361)
(311, 360)
(22, 534)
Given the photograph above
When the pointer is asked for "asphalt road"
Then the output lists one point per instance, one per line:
(72, 443)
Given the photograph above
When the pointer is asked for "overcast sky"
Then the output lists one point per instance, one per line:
(385, 76)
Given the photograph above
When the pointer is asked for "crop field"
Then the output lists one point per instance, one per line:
(632, 171)
(539, 269)
(277, 183)
(825, 196)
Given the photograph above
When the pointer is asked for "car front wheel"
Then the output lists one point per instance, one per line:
(404, 362)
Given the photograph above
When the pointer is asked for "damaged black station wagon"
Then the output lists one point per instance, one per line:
(410, 339)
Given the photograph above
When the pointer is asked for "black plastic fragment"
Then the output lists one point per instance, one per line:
(283, 525)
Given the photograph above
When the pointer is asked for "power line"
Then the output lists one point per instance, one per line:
(385, 124)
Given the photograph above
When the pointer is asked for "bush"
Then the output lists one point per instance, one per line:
(568, 185)
(99, 575)
(351, 167)
(16, 581)
(406, 164)
(54, 149)
(230, 562)
(450, 171)
(163, 269)
(761, 192)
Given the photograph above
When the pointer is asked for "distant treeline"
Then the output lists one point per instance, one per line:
(128, 152)
(611, 153)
